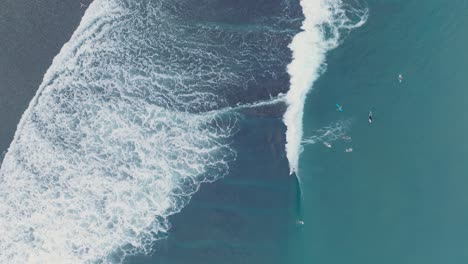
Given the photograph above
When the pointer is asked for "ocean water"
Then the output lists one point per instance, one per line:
(244, 218)
(165, 132)
(32, 33)
(400, 196)
(147, 101)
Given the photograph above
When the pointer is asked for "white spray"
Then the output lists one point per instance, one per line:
(323, 23)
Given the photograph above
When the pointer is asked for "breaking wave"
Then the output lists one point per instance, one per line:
(324, 24)
(129, 121)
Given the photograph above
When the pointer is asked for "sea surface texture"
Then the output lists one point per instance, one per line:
(149, 100)
(401, 195)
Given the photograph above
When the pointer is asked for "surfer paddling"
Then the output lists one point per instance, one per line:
(370, 117)
(400, 77)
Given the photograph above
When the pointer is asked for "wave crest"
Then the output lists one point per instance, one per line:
(324, 24)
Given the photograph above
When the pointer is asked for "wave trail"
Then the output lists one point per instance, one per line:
(324, 22)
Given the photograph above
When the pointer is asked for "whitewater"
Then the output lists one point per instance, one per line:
(322, 29)
(137, 110)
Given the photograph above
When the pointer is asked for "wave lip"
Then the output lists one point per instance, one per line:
(325, 21)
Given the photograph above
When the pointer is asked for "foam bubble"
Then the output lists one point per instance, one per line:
(325, 21)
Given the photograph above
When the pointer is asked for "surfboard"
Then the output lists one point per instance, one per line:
(339, 107)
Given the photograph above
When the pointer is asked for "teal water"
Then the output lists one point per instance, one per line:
(401, 196)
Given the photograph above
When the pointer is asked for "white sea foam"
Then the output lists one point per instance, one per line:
(131, 117)
(330, 133)
(104, 154)
(269, 102)
(325, 21)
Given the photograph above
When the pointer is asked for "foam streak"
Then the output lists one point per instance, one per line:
(325, 21)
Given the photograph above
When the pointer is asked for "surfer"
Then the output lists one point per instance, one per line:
(400, 77)
(293, 170)
(328, 145)
(339, 108)
(370, 117)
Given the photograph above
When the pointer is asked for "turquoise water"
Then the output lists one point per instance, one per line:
(401, 196)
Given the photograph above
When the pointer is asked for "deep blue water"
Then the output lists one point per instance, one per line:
(244, 218)
(32, 34)
(135, 113)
